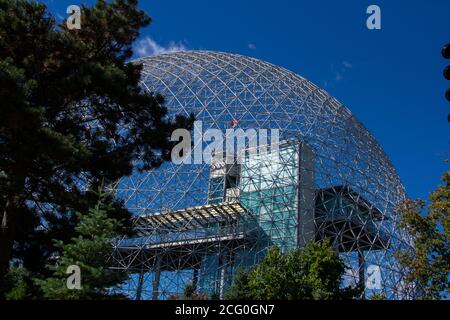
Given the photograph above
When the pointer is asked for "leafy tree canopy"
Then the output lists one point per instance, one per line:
(72, 113)
(428, 263)
(314, 272)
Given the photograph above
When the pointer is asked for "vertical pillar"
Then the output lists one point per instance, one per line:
(140, 285)
(361, 277)
(195, 278)
(157, 271)
(306, 229)
(223, 274)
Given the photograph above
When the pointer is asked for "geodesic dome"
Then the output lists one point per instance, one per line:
(351, 186)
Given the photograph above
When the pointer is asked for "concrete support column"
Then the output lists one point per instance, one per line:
(306, 229)
(361, 266)
(156, 279)
(195, 278)
(223, 274)
(140, 285)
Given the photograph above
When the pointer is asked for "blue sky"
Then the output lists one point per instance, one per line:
(391, 79)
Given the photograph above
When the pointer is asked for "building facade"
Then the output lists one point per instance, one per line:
(327, 178)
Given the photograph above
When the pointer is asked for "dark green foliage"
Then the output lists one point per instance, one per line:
(90, 250)
(378, 296)
(312, 273)
(18, 284)
(190, 293)
(72, 111)
(428, 263)
(240, 290)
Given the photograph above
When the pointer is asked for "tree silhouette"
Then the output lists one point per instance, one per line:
(72, 114)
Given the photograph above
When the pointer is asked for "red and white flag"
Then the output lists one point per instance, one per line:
(234, 123)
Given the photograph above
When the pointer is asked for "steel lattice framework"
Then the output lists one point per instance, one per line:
(197, 223)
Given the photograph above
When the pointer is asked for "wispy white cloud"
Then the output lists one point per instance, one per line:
(149, 47)
(338, 76)
(339, 72)
(251, 46)
(347, 64)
